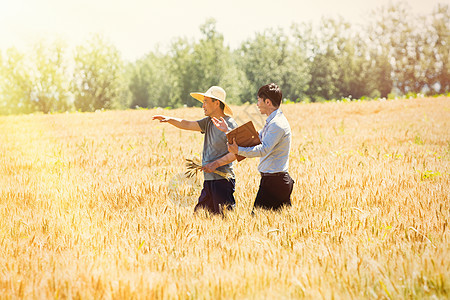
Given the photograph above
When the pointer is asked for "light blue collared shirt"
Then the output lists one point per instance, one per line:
(275, 145)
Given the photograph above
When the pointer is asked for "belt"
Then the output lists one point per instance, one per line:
(273, 174)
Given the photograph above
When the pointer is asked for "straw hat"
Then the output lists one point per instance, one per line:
(217, 93)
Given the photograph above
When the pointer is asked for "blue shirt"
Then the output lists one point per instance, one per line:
(275, 145)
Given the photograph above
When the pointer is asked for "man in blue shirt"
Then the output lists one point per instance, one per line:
(276, 185)
(217, 191)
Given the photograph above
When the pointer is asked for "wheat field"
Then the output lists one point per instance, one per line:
(95, 206)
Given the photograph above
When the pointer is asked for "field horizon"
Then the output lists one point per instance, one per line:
(94, 205)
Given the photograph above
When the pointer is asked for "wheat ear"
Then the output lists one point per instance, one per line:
(193, 167)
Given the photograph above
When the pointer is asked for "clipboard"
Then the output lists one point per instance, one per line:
(245, 135)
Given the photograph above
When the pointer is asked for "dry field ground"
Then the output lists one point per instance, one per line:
(90, 208)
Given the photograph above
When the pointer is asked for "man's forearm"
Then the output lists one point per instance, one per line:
(225, 160)
(177, 122)
(184, 124)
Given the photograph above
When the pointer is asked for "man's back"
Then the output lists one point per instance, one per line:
(277, 135)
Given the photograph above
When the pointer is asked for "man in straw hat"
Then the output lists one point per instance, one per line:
(217, 191)
(276, 185)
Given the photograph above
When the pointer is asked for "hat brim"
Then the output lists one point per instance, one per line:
(201, 96)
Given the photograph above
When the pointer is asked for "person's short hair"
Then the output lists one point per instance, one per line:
(272, 92)
(222, 106)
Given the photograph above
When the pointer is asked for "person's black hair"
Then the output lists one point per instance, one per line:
(222, 105)
(272, 92)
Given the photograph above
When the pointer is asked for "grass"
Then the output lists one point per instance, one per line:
(86, 209)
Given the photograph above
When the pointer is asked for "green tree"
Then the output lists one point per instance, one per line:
(405, 40)
(214, 64)
(151, 83)
(338, 60)
(50, 77)
(15, 84)
(180, 68)
(440, 45)
(197, 66)
(235, 82)
(320, 64)
(99, 75)
(355, 76)
(295, 75)
(139, 81)
(380, 70)
(320, 44)
(271, 57)
(262, 58)
(209, 58)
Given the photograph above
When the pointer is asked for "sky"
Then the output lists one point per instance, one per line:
(137, 27)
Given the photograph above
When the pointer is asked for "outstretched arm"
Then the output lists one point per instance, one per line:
(224, 160)
(179, 123)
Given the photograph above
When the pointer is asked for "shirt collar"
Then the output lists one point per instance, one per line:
(273, 115)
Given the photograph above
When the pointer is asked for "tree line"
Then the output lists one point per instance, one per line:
(396, 52)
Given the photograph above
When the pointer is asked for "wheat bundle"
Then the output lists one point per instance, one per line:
(193, 166)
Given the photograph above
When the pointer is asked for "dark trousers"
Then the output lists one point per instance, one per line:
(274, 191)
(217, 195)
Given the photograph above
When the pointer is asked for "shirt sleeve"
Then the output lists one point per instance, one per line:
(203, 123)
(272, 137)
(231, 123)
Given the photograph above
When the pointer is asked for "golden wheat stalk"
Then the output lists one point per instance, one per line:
(193, 167)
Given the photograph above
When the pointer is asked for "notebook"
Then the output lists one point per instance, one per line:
(245, 135)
